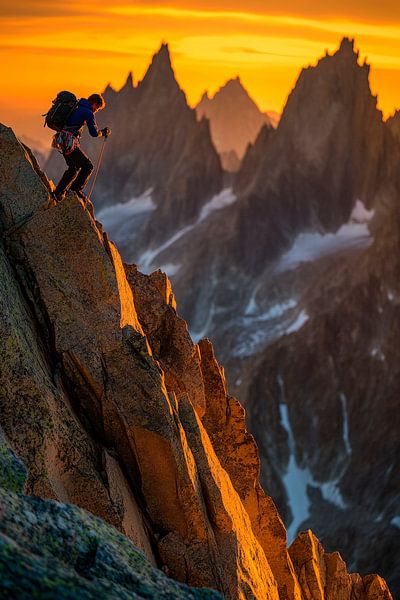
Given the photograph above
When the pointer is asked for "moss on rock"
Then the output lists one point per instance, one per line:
(53, 550)
(13, 473)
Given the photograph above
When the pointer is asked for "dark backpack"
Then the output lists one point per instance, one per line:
(63, 105)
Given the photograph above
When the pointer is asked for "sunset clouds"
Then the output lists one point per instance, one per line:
(46, 46)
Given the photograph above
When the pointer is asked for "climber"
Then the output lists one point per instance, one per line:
(80, 166)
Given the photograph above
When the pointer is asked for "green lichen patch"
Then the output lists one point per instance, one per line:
(13, 473)
(54, 550)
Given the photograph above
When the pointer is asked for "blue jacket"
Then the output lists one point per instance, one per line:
(82, 115)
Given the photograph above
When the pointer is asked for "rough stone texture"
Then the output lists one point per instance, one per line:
(168, 335)
(85, 401)
(13, 473)
(22, 183)
(52, 550)
(39, 413)
(224, 421)
(83, 308)
(323, 576)
(222, 416)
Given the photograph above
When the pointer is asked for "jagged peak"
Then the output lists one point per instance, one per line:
(129, 81)
(234, 82)
(162, 58)
(347, 45)
(347, 51)
(109, 92)
(395, 116)
(232, 86)
(128, 85)
(109, 89)
(161, 68)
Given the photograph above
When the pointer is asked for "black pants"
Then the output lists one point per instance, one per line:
(76, 176)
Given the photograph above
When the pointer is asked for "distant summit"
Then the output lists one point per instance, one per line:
(235, 121)
(160, 74)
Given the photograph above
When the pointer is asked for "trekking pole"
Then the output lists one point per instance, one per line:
(97, 170)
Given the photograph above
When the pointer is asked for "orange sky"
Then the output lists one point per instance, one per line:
(47, 45)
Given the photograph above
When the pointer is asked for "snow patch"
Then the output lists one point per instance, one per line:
(170, 269)
(295, 480)
(346, 437)
(200, 334)
(252, 306)
(395, 521)
(360, 213)
(146, 260)
(221, 200)
(298, 323)
(116, 214)
(377, 353)
(277, 310)
(250, 343)
(258, 330)
(308, 247)
(331, 493)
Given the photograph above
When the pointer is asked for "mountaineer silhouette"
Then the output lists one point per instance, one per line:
(68, 116)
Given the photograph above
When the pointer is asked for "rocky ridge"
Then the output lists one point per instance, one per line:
(104, 418)
(49, 549)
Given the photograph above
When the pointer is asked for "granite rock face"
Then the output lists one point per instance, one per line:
(86, 405)
(48, 549)
(113, 408)
(323, 576)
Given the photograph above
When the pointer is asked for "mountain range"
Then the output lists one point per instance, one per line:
(158, 150)
(289, 267)
(126, 470)
(310, 197)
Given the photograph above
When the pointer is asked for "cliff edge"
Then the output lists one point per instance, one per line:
(111, 407)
